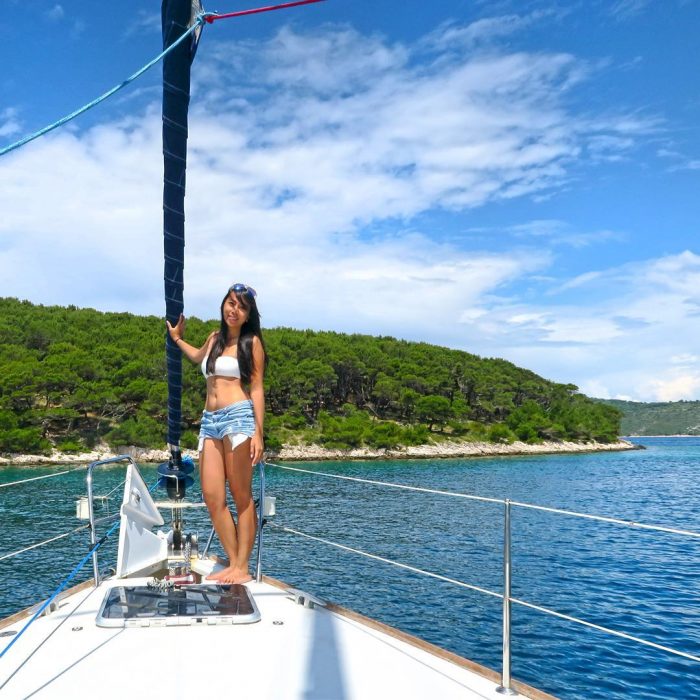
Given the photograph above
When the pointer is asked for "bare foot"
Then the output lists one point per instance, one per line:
(214, 576)
(227, 575)
(231, 574)
(244, 577)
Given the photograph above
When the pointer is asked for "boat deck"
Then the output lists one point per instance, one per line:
(293, 652)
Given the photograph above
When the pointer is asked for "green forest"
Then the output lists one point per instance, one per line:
(74, 378)
(663, 418)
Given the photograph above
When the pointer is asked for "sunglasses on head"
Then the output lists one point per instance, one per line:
(243, 289)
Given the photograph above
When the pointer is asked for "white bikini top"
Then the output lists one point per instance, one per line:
(225, 366)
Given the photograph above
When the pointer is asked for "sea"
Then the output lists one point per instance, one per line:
(636, 581)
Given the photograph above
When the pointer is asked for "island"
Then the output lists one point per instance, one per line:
(79, 383)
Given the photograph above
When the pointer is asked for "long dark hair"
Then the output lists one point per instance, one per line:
(250, 329)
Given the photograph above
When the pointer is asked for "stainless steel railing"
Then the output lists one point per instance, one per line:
(93, 522)
(91, 508)
(505, 687)
(55, 538)
(507, 599)
(261, 522)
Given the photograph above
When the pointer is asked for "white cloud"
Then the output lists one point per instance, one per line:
(580, 280)
(452, 35)
(595, 388)
(685, 359)
(144, 22)
(626, 9)
(555, 232)
(78, 28)
(562, 325)
(55, 14)
(679, 161)
(633, 334)
(485, 32)
(9, 122)
(677, 274)
(521, 319)
(676, 387)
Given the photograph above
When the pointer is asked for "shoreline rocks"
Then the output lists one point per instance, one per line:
(313, 453)
(449, 449)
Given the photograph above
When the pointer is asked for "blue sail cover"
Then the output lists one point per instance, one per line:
(177, 16)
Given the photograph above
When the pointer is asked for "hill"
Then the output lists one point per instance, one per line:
(670, 418)
(73, 378)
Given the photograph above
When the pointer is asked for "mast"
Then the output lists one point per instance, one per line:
(177, 17)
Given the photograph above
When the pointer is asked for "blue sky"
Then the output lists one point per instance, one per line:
(515, 179)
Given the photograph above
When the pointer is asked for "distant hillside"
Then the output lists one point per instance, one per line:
(671, 418)
(72, 378)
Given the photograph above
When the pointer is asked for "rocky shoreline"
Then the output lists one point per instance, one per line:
(313, 453)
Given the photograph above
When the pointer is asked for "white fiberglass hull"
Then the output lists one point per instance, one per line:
(294, 652)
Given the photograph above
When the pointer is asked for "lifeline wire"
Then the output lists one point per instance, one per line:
(40, 544)
(600, 628)
(517, 601)
(560, 511)
(389, 484)
(440, 577)
(70, 576)
(61, 586)
(36, 478)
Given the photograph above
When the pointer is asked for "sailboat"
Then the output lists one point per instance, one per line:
(156, 628)
(156, 625)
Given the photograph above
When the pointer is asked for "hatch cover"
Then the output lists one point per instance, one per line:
(210, 604)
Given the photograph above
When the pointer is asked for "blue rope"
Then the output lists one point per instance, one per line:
(68, 579)
(199, 22)
(61, 586)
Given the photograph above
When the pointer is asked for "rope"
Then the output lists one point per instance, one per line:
(462, 584)
(213, 16)
(208, 17)
(61, 586)
(40, 544)
(70, 576)
(36, 478)
(64, 120)
(600, 518)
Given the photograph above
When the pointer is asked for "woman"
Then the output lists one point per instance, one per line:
(231, 436)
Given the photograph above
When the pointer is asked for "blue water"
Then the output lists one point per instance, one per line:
(639, 582)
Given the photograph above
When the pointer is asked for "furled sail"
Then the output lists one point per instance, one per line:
(177, 17)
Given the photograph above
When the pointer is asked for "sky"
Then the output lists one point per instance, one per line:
(513, 179)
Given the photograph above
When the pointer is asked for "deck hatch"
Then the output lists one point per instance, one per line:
(210, 604)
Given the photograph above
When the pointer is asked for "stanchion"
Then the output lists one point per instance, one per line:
(261, 513)
(504, 688)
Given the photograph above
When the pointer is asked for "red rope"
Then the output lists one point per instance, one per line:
(213, 16)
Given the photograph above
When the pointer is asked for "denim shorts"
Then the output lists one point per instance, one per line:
(235, 421)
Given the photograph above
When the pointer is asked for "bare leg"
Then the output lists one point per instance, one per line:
(212, 475)
(239, 473)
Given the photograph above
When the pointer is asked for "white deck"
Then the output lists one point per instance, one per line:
(315, 654)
